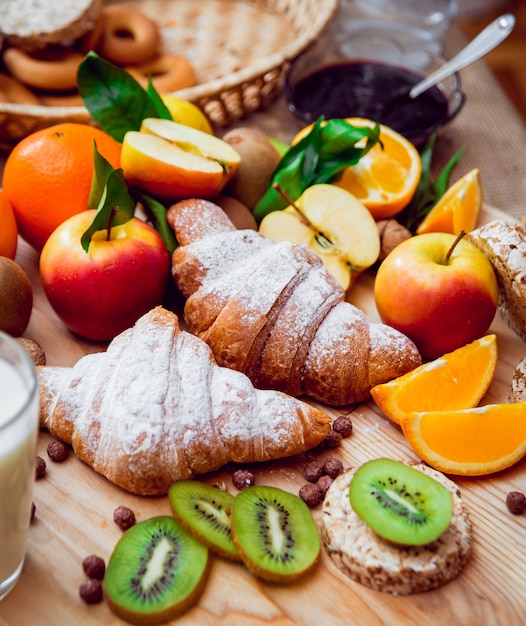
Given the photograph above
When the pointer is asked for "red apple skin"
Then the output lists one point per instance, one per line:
(100, 293)
(440, 307)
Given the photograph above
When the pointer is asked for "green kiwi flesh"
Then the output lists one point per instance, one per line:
(156, 571)
(274, 533)
(400, 503)
(204, 511)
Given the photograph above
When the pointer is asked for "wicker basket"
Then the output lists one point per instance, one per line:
(240, 49)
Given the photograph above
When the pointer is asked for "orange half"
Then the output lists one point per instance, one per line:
(458, 209)
(457, 380)
(470, 442)
(385, 179)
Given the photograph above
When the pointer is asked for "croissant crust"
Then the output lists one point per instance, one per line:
(272, 311)
(156, 408)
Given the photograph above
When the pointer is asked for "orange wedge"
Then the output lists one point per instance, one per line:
(458, 209)
(457, 380)
(384, 180)
(470, 442)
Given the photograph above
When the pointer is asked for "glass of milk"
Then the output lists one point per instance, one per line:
(18, 435)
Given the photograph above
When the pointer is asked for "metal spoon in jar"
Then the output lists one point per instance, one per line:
(483, 43)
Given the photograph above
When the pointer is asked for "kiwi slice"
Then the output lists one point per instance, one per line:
(400, 503)
(156, 571)
(204, 511)
(274, 533)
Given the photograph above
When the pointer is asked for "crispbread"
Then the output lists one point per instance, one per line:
(384, 566)
(35, 24)
(505, 246)
(518, 383)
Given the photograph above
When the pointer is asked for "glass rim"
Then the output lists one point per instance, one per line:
(32, 388)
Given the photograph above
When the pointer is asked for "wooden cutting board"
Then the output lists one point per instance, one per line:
(74, 518)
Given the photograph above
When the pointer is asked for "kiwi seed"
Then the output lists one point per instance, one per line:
(400, 503)
(274, 533)
(204, 511)
(156, 571)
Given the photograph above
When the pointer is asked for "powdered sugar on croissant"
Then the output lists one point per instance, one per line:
(156, 408)
(272, 311)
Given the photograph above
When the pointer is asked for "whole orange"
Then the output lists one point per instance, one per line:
(8, 229)
(47, 176)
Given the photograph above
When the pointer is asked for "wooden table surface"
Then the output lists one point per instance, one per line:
(75, 505)
(74, 518)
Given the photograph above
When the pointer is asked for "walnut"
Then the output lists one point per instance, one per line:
(124, 517)
(391, 234)
(34, 350)
(94, 567)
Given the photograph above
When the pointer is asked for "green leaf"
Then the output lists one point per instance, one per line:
(319, 157)
(102, 169)
(115, 100)
(157, 101)
(157, 214)
(428, 191)
(116, 206)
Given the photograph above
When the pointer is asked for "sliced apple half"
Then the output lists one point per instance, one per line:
(173, 161)
(335, 225)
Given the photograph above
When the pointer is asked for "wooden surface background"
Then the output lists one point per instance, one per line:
(74, 518)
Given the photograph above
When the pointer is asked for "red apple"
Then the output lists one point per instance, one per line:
(440, 302)
(100, 293)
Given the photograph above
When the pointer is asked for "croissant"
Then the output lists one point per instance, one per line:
(156, 408)
(272, 311)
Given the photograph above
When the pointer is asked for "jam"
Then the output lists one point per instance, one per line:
(371, 90)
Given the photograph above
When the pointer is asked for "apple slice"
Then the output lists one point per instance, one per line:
(174, 161)
(333, 223)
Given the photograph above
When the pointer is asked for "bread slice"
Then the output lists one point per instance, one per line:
(505, 246)
(518, 383)
(382, 565)
(35, 24)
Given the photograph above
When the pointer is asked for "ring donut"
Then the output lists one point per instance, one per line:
(128, 36)
(169, 72)
(52, 72)
(12, 90)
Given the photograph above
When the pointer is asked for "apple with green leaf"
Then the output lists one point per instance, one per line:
(334, 224)
(101, 292)
(173, 161)
(439, 290)
(104, 268)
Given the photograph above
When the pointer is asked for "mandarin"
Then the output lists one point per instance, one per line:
(8, 230)
(456, 380)
(385, 179)
(47, 176)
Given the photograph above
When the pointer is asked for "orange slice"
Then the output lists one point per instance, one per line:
(458, 209)
(470, 442)
(384, 180)
(457, 380)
